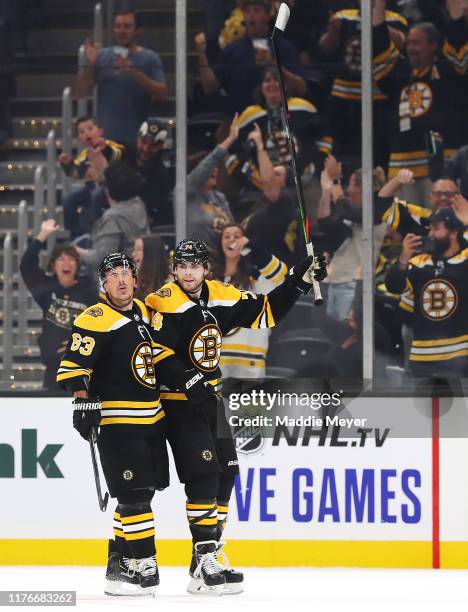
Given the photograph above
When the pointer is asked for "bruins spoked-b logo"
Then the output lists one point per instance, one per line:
(439, 299)
(419, 97)
(207, 455)
(127, 475)
(205, 348)
(142, 365)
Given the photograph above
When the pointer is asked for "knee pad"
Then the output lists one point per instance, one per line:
(226, 484)
(204, 487)
(139, 496)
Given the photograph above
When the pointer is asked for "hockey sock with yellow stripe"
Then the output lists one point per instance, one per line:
(138, 528)
(202, 517)
(223, 509)
(119, 536)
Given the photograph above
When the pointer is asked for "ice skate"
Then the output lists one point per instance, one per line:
(206, 573)
(124, 578)
(234, 579)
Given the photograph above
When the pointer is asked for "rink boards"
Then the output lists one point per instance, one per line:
(387, 496)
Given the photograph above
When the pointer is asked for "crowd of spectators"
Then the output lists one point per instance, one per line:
(240, 193)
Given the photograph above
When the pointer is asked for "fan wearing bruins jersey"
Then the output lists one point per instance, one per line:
(343, 38)
(405, 217)
(109, 356)
(191, 316)
(434, 289)
(426, 94)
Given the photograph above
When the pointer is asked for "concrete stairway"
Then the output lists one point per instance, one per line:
(47, 65)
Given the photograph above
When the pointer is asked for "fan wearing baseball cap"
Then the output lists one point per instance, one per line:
(149, 164)
(431, 277)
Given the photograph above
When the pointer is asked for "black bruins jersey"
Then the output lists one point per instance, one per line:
(433, 98)
(347, 83)
(436, 295)
(310, 138)
(110, 351)
(188, 332)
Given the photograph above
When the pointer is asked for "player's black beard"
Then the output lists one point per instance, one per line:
(440, 246)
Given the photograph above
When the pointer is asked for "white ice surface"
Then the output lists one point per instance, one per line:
(289, 590)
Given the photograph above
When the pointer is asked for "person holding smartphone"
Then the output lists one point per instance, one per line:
(128, 78)
(431, 278)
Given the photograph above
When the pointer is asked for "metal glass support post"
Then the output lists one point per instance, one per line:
(98, 39)
(110, 10)
(98, 25)
(180, 201)
(22, 338)
(7, 309)
(367, 194)
(67, 135)
(39, 199)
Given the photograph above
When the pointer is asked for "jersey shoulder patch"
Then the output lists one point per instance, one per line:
(459, 258)
(300, 104)
(350, 14)
(251, 113)
(421, 261)
(169, 299)
(100, 318)
(222, 294)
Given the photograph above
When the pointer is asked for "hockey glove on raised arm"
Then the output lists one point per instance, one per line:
(309, 268)
(86, 415)
(197, 389)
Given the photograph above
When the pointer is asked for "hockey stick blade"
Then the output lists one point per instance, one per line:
(282, 18)
(102, 501)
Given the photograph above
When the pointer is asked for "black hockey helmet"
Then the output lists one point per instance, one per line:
(194, 251)
(115, 260)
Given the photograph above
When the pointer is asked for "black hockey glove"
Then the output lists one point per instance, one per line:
(197, 389)
(301, 275)
(86, 415)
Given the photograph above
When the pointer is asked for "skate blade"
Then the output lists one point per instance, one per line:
(115, 588)
(198, 587)
(233, 588)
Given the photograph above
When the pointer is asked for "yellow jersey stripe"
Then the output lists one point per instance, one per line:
(124, 404)
(66, 375)
(438, 356)
(134, 421)
(443, 342)
(140, 536)
(128, 520)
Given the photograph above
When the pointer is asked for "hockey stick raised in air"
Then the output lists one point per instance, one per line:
(278, 30)
(92, 445)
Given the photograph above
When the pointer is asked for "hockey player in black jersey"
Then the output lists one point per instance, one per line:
(109, 356)
(190, 317)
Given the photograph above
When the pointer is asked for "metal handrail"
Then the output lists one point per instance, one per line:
(7, 309)
(22, 339)
(39, 199)
(67, 134)
(82, 64)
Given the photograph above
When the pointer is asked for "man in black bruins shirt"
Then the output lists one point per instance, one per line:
(61, 295)
(109, 356)
(434, 289)
(190, 317)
